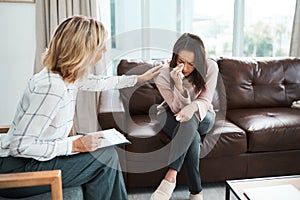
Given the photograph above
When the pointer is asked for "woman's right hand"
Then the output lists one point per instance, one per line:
(176, 76)
(148, 75)
(87, 143)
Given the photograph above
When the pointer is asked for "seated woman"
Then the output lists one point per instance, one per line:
(38, 138)
(187, 85)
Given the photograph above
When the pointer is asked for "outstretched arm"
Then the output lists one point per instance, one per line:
(101, 83)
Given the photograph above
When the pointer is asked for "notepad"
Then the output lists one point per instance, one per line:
(278, 192)
(110, 137)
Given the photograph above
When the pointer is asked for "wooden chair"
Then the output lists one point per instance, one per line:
(40, 178)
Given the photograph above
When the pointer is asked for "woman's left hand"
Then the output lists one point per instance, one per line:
(148, 75)
(187, 112)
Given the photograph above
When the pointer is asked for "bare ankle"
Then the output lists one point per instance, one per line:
(197, 193)
(170, 179)
(171, 176)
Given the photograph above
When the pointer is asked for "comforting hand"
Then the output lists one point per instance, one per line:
(186, 112)
(148, 75)
(87, 143)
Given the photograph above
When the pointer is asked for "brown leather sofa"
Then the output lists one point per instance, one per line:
(256, 133)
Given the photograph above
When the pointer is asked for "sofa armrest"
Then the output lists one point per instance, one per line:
(25, 179)
(111, 112)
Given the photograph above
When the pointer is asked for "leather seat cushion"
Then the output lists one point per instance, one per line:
(269, 129)
(224, 139)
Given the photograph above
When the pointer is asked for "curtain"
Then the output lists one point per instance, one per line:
(295, 41)
(49, 13)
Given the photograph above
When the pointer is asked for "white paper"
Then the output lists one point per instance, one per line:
(110, 137)
(278, 192)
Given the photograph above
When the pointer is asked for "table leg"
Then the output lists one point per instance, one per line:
(227, 192)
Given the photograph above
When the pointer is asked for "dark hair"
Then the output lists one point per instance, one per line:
(193, 43)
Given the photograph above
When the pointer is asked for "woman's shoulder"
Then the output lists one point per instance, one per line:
(212, 62)
(47, 81)
(165, 70)
(164, 75)
(212, 66)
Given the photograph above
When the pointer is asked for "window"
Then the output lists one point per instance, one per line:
(142, 29)
(268, 27)
(213, 22)
(260, 28)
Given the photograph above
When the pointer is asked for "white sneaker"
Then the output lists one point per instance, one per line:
(196, 197)
(164, 191)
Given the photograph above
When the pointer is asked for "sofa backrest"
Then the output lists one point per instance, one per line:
(251, 83)
(143, 98)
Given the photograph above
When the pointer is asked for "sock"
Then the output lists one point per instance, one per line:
(164, 191)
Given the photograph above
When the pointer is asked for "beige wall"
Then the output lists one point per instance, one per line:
(17, 49)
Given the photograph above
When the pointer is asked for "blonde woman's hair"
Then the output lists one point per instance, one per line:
(74, 46)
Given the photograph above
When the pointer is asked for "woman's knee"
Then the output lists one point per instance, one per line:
(207, 123)
(197, 139)
(107, 155)
(190, 124)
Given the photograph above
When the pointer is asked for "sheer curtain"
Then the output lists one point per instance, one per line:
(49, 13)
(295, 41)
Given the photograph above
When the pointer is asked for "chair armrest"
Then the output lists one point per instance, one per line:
(4, 128)
(25, 179)
(111, 110)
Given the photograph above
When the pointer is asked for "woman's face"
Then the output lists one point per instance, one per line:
(99, 55)
(187, 58)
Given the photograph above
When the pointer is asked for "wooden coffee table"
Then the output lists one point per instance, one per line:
(237, 187)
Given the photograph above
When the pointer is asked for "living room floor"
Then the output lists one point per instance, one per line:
(211, 191)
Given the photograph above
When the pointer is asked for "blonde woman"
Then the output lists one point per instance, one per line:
(38, 138)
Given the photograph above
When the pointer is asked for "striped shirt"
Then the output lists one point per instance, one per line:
(44, 115)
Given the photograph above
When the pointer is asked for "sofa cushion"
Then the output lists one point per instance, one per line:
(142, 126)
(257, 84)
(225, 139)
(269, 129)
(142, 97)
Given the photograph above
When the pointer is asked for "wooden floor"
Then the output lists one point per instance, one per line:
(211, 191)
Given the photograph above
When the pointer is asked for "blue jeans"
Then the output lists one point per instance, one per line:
(185, 144)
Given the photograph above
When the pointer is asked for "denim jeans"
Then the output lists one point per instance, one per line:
(97, 172)
(185, 144)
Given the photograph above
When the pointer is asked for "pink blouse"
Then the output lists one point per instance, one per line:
(176, 101)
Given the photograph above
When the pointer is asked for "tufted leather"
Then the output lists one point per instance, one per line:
(256, 84)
